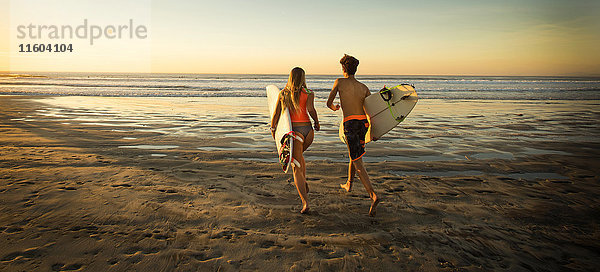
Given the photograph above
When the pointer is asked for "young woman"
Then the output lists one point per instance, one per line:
(300, 102)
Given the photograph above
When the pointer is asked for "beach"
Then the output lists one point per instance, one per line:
(137, 136)
(192, 184)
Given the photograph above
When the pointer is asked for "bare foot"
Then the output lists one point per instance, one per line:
(373, 206)
(304, 209)
(347, 186)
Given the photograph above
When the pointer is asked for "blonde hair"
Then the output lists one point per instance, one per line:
(290, 95)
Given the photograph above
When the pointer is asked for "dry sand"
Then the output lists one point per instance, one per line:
(70, 199)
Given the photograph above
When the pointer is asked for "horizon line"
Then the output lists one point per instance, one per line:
(317, 74)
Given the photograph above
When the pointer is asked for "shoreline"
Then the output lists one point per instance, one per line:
(72, 199)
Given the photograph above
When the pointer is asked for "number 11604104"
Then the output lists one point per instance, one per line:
(45, 47)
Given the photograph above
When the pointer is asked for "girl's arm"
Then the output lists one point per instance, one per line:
(310, 107)
(275, 117)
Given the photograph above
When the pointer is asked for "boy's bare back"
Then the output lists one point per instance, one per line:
(352, 95)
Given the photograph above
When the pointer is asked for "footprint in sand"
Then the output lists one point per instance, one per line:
(264, 193)
(121, 185)
(90, 228)
(395, 189)
(13, 229)
(192, 171)
(264, 176)
(477, 180)
(453, 194)
(160, 236)
(26, 254)
(229, 234)
(561, 181)
(431, 178)
(216, 188)
(317, 244)
(135, 249)
(538, 196)
(506, 179)
(445, 264)
(585, 176)
(29, 200)
(267, 244)
(392, 178)
(206, 255)
(68, 267)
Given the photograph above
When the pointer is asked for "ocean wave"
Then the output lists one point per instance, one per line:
(593, 95)
(217, 85)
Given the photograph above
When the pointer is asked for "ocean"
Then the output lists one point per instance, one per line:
(457, 118)
(222, 85)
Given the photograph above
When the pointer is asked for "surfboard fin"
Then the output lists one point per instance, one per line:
(297, 163)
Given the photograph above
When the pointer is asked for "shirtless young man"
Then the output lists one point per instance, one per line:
(352, 97)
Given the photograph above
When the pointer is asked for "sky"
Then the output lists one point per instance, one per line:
(526, 37)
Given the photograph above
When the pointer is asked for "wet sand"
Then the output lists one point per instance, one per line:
(80, 195)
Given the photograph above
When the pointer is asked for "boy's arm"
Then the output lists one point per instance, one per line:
(310, 107)
(332, 96)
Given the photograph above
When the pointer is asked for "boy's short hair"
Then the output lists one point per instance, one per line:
(349, 64)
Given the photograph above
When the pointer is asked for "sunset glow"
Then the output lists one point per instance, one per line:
(388, 37)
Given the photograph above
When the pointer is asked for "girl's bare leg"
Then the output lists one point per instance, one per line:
(299, 178)
(307, 142)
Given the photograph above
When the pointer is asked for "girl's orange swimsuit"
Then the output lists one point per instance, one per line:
(301, 115)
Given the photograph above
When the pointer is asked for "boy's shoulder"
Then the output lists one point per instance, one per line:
(348, 81)
(342, 81)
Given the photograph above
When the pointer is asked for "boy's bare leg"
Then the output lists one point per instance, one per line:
(351, 173)
(364, 178)
(299, 178)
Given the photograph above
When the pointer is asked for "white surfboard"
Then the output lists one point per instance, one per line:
(386, 109)
(283, 134)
